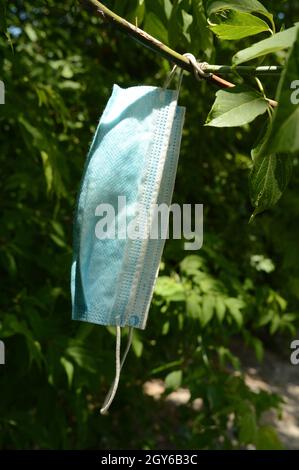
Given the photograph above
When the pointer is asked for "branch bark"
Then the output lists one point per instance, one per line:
(181, 61)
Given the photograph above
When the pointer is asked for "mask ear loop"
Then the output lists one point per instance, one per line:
(118, 367)
(170, 76)
(198, 69)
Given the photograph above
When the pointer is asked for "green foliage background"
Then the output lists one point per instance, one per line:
(58, 63)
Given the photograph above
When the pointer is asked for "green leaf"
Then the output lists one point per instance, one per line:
(207, 313)
(173, 380)
(258, 347)
(247, 426)
(275, 43)
(170, 289)
(9, 263)
(59, 241)
(201, 37)
(137, 345)
(265, 317)
(167, 8)
(226, 357)
(247, 6)
(187, 21)
(267, 439)
(38, 140)
(234, 306)
(31, 33)
(154, 26)
(48, 169)
(236, 107)
(165, 328)
(159, 8)
(179, 24)
(192, 264)
(193, 305)
(69, 369)
(275, 324)
(13, 326)
(220, 307)
(82, 357)
(137, 15)
(58, 228)
(268, 179)
(163, 367)
(239, 25)
(284, 133)
(120, 6)
(67, 71)
(261, 263)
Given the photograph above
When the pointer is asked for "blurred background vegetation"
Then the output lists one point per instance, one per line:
(58, 63)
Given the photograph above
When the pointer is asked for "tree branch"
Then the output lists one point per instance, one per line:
(180, 60)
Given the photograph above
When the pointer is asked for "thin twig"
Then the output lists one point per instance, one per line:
(157, 46)
(245, 69)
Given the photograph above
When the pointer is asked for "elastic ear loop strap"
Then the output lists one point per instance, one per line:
(198, 69)
(170, 77)
(118, 367)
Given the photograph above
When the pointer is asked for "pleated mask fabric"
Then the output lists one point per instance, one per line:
(134, 154)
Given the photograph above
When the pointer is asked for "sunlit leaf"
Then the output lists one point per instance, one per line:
(236, 107)
(69, 369)
(220, 308)
(239, 25)
(208, 305)
(234, 307)
(275, 43)
(170, 289)
(137, 345)
(284, 133)
(268, 179)
(249, 6)
(173, 380)
(193, 305)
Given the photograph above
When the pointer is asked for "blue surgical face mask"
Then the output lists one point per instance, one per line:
(131, 167)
